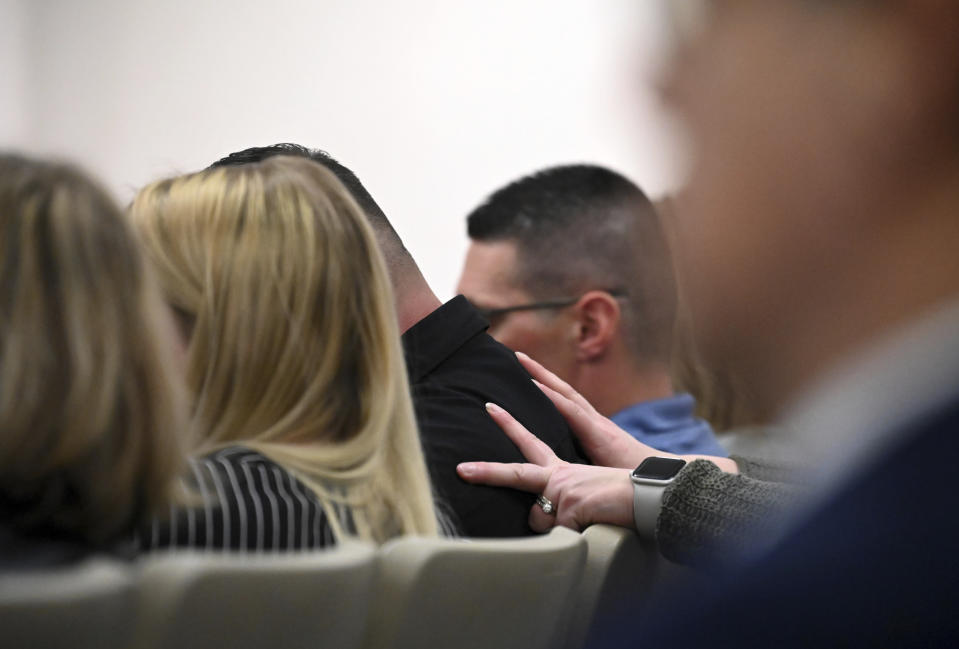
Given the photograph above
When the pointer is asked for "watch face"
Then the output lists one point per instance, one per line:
(659, 468)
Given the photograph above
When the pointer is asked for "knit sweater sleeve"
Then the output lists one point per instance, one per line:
(708, 514)
(767, 469)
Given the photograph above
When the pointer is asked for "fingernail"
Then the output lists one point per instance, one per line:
(537, 383)
(493, 408)
(521, 355)
(466, 468)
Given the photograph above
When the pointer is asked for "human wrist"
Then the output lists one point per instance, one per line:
(624, 498)
(626, 452)
(725, 464)
(613, 503)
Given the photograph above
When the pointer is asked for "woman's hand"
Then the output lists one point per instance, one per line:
(581, 495)
(605, 443)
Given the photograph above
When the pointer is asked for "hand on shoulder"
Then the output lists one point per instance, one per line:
(578, 495)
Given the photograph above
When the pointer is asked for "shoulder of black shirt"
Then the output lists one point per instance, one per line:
(455, 368)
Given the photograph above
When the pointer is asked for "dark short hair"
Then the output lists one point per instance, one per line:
(584, 227)
(390, 243)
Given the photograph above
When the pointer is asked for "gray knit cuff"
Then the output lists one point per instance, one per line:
(708, 514)
(768, 470)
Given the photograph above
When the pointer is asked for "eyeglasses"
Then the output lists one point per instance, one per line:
(558, 303)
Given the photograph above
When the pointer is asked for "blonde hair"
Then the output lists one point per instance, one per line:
(90, 412)
(294, 347)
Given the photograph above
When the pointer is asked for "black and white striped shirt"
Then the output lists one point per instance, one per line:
(249, 503)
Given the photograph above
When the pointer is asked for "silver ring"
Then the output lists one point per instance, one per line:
(545, 504)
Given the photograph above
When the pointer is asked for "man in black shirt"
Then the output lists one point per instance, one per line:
(455, 368)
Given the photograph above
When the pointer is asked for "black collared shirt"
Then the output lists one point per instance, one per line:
(455, 368)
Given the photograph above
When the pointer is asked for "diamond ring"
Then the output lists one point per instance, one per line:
(545, 504)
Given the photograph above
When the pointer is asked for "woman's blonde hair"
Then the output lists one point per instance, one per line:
(90, 408)
(294, 347)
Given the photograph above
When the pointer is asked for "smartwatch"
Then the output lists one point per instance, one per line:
(649, 482)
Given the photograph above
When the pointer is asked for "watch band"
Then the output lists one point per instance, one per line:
(647, 503)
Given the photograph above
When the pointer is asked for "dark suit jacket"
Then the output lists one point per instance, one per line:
(455, 368)
(877, 566)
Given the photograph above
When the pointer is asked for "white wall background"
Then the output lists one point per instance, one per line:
(14, 93)
(433, 103)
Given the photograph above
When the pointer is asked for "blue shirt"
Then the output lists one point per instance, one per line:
(669, 425)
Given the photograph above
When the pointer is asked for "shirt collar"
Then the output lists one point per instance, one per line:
(659, 414)
(437, 336)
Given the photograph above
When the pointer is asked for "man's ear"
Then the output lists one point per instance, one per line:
(598, 321)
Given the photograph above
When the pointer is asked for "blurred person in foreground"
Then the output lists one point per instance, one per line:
(91, 407)
(818, 237)
(305, 427)
(453, 368)
(721, 398)
(571, 266)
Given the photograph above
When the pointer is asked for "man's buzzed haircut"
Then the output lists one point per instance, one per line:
(583, 227)
(397, 257)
